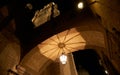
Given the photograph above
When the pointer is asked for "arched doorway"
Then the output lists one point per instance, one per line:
(87, 62)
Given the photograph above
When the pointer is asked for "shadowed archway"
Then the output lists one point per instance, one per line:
(87, 61)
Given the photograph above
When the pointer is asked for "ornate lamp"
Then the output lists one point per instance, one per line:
(63, 58)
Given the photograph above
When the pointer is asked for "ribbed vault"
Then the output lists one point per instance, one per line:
(36, 61)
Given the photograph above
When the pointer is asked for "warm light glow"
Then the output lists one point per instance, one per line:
(106, 71)
(80, 5)
(63, 59)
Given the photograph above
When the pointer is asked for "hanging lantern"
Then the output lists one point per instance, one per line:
(63, 59)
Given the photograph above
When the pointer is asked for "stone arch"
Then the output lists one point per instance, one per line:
(35, 62)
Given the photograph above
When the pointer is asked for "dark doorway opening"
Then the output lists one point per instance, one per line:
(89, 61)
